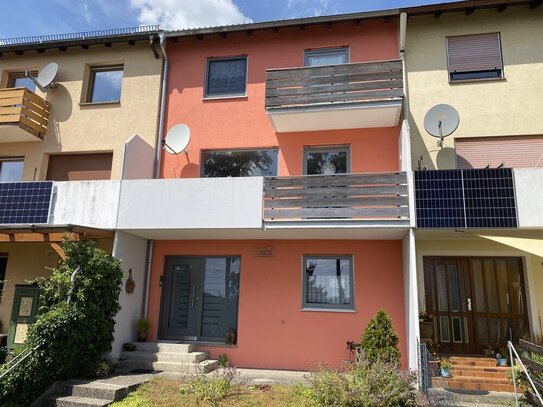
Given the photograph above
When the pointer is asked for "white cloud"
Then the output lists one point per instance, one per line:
(179, 14)
(298, 8)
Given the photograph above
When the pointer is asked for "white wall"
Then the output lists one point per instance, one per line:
(132, 251)
(529, 192)
(411, 299)
(405, 147)
(197, 203)
(138, 159)
(86, 203)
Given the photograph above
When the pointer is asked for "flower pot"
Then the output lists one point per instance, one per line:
(445, 372)
(129, 347)
(142, 337)
(501, 361)
(426, 330)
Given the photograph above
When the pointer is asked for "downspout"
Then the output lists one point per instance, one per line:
(403, 32)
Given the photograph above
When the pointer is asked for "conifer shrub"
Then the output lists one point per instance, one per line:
(379, 341)
(71, 337)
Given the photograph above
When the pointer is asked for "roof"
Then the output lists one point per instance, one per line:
(85, 38)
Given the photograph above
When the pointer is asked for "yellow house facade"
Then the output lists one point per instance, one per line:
(480, 274)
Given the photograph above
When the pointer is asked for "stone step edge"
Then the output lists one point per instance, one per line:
(74, 400)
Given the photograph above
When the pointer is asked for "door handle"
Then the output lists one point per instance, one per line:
(193, 295)
(469, 304)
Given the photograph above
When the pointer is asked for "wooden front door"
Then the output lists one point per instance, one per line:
(23, 313)
(477, 302)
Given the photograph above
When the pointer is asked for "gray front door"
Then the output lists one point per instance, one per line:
(182, 298)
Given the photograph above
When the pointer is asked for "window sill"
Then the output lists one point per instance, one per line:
(117, 103)
(464, 81)
(233, 97)
(340, 310)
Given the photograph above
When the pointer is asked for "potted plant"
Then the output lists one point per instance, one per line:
(143, 327)
(501, 357)
(445, 365)
(426, 323)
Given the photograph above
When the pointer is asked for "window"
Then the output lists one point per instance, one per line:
(3, 268)
(328, 282)
(474, 57)
(326, 160)
(105, 84)
(240, 163)
(11, 169)
(19, 80)
(79, 167)
(226, 77)
(329, 56)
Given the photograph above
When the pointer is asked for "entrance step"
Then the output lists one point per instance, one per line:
(167, 357)
(477, 373)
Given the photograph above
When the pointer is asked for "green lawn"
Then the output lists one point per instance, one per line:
(165, 393)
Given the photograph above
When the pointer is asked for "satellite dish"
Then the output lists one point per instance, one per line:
(441, 121)
(177, 139)
(46, 77)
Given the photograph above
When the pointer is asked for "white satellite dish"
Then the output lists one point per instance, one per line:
(441, 121)
(46, 77)
(177, 139)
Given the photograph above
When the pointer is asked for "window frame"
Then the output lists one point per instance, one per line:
(322, 149)
(209, 60)
(329, 307)
(343, 48)
(233, 150)
(468, 80)
(13, 159)
(13, 76)
(92, 78)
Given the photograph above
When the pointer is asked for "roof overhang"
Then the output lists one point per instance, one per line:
(50, 233)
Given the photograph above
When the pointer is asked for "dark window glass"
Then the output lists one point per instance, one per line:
(328, 282)
(326, 161)
(106, 84)
(327, 57)
(226, 77)
(241, 163)
(220, 302)
(463, 76)
(3, 268)
(11, 170)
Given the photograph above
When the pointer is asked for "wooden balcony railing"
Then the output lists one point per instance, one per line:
(341, 196)
(334, 85)
(22, 107)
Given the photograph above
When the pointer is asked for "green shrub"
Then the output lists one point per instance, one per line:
(211, 389)
(143, 325)
(72, 337)
(379, 341)
(367, 384)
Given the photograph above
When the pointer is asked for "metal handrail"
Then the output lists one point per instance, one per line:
(38, 39)
(511, 350)
(27, 352)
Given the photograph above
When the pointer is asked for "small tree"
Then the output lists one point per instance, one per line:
(72, 337)
(379, 340)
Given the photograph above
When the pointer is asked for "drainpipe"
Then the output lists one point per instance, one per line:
(162, 38)
(403, 32)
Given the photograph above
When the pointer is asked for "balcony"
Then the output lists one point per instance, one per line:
(336, 198)
(23, 115)
(348, 96)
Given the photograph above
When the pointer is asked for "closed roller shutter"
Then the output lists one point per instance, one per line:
(474, 53)
(513, 152)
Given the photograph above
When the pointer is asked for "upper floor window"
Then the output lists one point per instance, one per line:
(20, 80)
(226, 77)
(327, 56)
(474, 57)
(79, 167)
(240, 163)
(105, 83)
(11, 169)
(327, 160)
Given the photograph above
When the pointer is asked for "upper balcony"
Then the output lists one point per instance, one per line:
(347, 96)
(23, 115)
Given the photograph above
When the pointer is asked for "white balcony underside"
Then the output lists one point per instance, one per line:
(14, 134)
(336, 117)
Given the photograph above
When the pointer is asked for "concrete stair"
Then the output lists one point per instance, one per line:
(477, 373)
(166, 357)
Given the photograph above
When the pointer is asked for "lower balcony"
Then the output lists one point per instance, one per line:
(23, 116)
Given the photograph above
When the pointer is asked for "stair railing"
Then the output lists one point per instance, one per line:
(19, 358)
(511, 351)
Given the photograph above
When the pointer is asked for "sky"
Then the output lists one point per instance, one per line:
(40, 17)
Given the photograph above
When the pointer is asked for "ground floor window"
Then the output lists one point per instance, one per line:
(328, 282)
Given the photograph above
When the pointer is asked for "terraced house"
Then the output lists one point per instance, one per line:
(294, 189)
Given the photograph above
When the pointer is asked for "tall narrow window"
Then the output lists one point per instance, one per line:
(474, 57)
(326, 160)
(328, 56)
(3, 268)
(20, 80)
(240, 163)
(105, 83)
(226, 77)
(11, 169)
(328, 282)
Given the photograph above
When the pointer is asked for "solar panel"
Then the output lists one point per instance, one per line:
(25, 202)
(465, 199)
